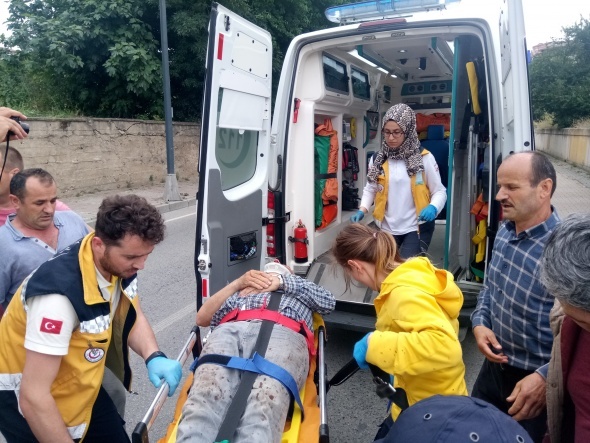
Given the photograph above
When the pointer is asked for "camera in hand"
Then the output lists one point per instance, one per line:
(22, 124)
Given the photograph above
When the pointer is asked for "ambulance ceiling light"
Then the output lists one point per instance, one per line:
(377, 60)
(355, 54)
(379, 9)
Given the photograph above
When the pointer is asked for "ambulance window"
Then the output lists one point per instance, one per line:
(237, 136)
(335, 76)
(360, 84)
(236, 155)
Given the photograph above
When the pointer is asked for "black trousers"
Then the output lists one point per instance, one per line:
(106, 425)
(495, 383)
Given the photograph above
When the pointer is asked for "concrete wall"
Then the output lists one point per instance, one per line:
(571, 145)
(86, 155)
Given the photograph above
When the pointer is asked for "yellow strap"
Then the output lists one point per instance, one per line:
(473, 86)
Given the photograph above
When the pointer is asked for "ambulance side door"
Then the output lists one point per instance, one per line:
(233, 158)
(516, 107)
(515, 133)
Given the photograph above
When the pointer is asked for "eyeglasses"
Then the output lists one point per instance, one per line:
(396, 133)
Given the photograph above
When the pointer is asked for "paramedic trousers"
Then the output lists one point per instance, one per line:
(495, 382)
(106, 425)
(214, 386)
(413, 243)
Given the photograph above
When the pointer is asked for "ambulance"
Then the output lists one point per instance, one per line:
(460, 65)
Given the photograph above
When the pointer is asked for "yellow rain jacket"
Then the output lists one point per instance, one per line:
(416, 337)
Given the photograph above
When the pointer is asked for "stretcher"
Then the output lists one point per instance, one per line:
(300, 428)
(297, 430)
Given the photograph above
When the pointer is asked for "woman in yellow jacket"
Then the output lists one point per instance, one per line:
(416, 336)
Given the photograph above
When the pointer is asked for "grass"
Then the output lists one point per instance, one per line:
(582, 123)
(545, 123)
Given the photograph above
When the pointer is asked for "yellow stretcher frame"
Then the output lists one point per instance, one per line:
(296, 429)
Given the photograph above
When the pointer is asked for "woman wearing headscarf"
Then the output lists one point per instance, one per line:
(404, 183)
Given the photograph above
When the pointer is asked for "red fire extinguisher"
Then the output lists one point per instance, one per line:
(300, 242)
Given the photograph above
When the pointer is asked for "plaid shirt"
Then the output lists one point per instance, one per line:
(300, 300)
(513, 303)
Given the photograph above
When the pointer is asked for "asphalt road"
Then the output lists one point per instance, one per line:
(167, 288)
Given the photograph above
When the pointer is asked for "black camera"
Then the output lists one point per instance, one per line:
(22, 124)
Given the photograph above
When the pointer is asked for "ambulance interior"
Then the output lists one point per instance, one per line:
(348, 84)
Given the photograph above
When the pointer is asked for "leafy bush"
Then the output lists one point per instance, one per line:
(560, 77)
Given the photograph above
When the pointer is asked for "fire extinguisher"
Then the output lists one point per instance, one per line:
(300, 242)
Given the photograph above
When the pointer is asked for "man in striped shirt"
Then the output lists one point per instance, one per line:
(511, 320)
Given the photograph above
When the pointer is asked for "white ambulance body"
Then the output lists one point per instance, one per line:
(256, 180)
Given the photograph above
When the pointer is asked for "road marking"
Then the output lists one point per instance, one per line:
(185, 311)
(179, 217)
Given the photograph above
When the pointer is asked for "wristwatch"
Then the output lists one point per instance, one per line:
(279, 270)
(281, 281)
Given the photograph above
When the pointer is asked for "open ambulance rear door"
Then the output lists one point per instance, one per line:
(233, 158)
(506, 109)
(516, 128)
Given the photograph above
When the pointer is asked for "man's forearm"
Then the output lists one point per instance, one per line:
(142, 338)
(212, 305)
(44, 418)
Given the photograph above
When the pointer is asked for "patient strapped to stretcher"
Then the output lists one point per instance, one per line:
(278, 370)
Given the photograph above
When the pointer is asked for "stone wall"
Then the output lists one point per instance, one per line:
(90, 154)
(571, 145)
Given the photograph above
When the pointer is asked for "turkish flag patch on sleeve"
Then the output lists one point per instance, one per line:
(51, 326)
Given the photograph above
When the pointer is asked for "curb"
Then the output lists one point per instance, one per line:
(163, 208)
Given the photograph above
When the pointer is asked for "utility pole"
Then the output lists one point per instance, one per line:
(171, 191)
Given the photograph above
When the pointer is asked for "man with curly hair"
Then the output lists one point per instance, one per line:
(74, 316)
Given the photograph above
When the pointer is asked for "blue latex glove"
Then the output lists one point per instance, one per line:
(357, 217)
(161, 368)
(360, 351)
(428, 213)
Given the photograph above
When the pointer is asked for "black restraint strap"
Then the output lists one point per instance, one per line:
(238, 404)
(328, 175)
(347, 371)
(383, 388)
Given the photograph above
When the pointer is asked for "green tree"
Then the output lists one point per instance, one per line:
(560, 77)
(188, 32)
(100, 54)
(102, 57)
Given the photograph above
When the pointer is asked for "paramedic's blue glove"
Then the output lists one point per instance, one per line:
(360, 351)
(357, 217)
(160, 368)
(428, 213)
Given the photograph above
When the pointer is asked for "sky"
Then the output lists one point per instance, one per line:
(543, 18)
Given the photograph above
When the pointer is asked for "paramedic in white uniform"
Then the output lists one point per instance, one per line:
(404, 183)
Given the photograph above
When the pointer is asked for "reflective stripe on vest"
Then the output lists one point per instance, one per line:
(96, 325)
(12, 382)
